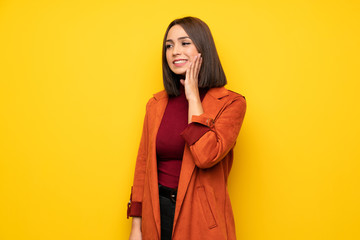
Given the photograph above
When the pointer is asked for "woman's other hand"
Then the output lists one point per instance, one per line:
(135, 233)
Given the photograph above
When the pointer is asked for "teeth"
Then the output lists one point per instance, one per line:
(180, 61)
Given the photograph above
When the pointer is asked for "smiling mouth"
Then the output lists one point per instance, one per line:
(179, 61)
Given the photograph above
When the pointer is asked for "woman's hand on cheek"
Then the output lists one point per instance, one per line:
(192, 78)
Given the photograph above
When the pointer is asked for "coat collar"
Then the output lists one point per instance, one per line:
(160, 95)
(219, 92)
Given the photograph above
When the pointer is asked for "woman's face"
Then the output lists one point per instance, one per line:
(180, 50)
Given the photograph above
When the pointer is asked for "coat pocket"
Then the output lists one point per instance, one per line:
(206, 207)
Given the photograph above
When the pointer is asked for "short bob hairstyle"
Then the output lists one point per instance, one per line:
(211, 72)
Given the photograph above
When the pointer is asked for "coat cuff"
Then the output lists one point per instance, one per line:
(134, 209)
(197, 128)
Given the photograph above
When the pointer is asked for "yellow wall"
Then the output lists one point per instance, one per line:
(74, 80)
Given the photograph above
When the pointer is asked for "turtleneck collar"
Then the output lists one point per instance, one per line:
(202, 91)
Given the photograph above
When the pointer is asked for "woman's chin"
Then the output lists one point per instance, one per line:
(180, 73)
(180, 76)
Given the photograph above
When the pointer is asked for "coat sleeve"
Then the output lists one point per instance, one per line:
(135, 203)
(210, 139)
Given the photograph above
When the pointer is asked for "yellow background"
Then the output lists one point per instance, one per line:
(74, 80)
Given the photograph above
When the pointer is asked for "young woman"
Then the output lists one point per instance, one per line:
(186, 149)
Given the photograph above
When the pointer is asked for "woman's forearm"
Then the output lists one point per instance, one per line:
(136, 223)
(135, 233)
(195, 108)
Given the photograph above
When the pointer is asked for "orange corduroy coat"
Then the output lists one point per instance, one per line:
(203, 209)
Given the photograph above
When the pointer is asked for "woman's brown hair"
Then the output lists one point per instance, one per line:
(211, 72)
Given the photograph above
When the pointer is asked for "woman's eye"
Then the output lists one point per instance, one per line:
(185, 43)
(167, 46)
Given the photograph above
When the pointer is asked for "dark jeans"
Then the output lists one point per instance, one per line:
(167, 212)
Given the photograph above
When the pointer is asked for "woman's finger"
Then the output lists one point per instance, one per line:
(198, 67)
(193, 64)
(195, 67)
(187, 74)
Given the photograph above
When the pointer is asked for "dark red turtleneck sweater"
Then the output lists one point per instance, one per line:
(169, 144)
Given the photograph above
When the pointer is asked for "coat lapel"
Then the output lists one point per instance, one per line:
(161, 103)
(212, 104)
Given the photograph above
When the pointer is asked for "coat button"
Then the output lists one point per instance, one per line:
(210, 122)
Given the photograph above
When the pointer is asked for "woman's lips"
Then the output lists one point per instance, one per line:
(179, 62)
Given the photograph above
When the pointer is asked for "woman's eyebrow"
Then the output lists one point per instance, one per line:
(170, 40)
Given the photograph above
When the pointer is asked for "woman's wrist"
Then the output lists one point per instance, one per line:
(135, 233)
(192, 93)
(136, 223)
(194, 100)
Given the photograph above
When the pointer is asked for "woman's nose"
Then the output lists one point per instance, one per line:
(176, 50)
